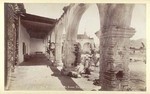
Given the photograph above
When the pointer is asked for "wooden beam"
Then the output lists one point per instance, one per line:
(37, 23)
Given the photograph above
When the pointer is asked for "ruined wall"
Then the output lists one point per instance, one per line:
(116, 32)
(10, 40)
(11, 14)
(115, 35)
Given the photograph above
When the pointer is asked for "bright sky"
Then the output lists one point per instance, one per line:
(90, 19)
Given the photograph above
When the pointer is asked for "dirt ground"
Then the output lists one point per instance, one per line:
(138, 72)
(38, 74)
(138, 76)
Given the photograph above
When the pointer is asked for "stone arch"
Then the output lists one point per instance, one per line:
(75, 20)
(75, 16)
(116, 32)
(87, 46)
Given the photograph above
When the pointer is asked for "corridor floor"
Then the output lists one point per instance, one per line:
(38, 74)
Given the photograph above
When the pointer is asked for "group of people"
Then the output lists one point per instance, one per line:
(82, 68)
(86, 63)
(83, 63)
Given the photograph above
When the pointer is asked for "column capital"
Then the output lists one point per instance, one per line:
(118, 32)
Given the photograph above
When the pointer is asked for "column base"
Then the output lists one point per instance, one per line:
(111, 83)
(70, 72)
(56, 63)
(66, 71)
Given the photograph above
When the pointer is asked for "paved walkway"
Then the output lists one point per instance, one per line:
(37, 74)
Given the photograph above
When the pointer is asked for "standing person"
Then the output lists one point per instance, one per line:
(77, 53)
(52, 52)
(87, 65)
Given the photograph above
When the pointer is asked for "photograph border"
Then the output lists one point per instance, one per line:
(3, 91)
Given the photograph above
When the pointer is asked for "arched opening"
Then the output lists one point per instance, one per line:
(47, 42)
(52, 48)
(87, 47)
(78, 30)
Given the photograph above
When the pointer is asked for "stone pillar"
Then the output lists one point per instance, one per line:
(114, 71)
(58, 57)
(12, 12)
(58, 43)
(114, 41)
(69, 57)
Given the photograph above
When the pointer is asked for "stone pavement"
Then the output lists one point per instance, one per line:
(37, 74)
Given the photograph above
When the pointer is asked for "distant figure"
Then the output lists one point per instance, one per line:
(77, 53)
(52, 48)
(94, 58)
(79, 69)
(87, 64)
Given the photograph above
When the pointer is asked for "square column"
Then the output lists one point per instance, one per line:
(58, 54)
(69, 57)
(114, 58)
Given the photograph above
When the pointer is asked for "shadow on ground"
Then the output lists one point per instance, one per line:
(40, 59)
(66, 81)
(36, 60)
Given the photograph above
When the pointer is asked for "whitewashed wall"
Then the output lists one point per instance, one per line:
(23, 37)
(37, 45)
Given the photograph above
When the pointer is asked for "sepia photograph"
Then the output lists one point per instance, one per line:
(75, 47)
